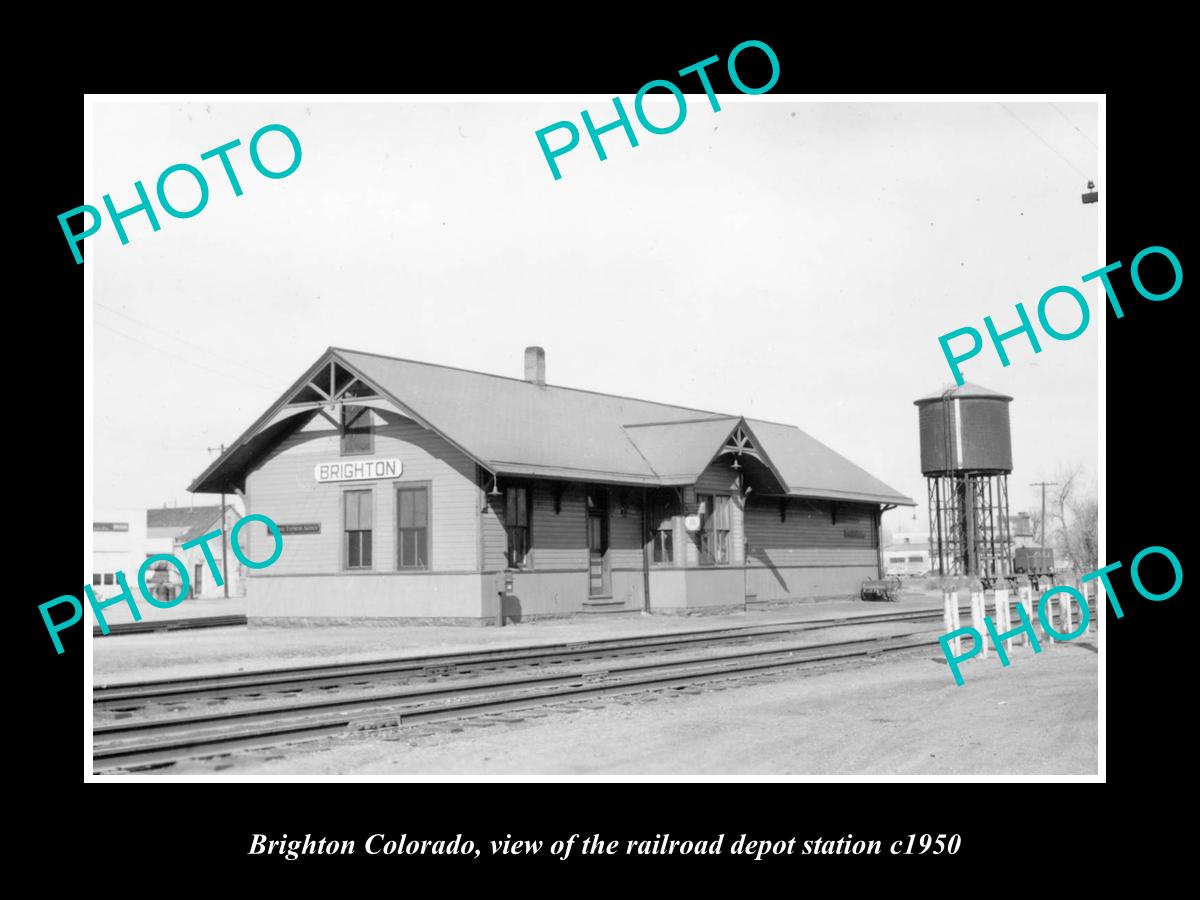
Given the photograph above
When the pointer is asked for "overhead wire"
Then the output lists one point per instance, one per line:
(1048, 145)
(180, 340)
(1082, 133)
(184, 359)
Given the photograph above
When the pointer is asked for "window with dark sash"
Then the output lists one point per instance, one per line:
(662, 523)
(713, 535)
(412, 524)
(96, 578)
(358, 529)
(358, 435)
(516, 523)
(108, 578)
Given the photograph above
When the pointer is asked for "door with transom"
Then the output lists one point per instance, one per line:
(597, 539)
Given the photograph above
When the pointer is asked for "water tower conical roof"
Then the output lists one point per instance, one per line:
(963, 391)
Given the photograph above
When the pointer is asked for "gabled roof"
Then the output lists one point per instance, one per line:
(515, 427)
(811, 469)
(203, 528)
(181, 516)
(680, 451)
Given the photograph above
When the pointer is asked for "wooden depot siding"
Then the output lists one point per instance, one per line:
(625, 531)
(808, 536)
(495, 540)
(718, 478)
(283, 488)
(559, 538)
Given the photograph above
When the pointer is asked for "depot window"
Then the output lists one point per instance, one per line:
(713, 536)
(412, 527)
(358, 529)
(516, 523)
(358, 433)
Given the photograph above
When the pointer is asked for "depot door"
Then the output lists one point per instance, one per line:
(597, 535)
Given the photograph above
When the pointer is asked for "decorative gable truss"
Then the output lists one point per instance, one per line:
(321, 393)
(328, 388)
(742, 444)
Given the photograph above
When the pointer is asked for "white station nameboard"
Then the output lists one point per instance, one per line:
(358, 469)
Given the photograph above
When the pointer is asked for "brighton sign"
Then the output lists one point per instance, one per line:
(358, 470)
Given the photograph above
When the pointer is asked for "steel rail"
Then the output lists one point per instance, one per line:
(301, 677)
(146, 626)
(303, 722)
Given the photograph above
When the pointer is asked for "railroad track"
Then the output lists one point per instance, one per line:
(130, 696)
(542, 676)
(169, 739)
(146, 627)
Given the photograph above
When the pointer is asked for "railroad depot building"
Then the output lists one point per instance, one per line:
(402, 488)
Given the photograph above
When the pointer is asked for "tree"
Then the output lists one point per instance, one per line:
(1035, 519)
(1083, 544)
(1073, 518)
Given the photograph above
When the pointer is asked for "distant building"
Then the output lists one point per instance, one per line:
(118, 545)
(123, 539)
(1021, 527)
(203, 583)
(907, 558)
(167, 529)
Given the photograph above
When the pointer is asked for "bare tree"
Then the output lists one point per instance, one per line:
(1083, 544)
(1035, 520)
(1073, 518)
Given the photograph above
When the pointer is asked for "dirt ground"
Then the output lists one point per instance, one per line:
(890, 717)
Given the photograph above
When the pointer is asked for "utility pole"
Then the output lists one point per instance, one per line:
(224, 561)
(1043, 485)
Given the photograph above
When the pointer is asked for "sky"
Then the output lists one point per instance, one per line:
(783, 260)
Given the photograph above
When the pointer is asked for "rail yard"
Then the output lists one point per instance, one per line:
(222, 718)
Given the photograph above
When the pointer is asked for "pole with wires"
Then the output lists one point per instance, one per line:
(224, 554)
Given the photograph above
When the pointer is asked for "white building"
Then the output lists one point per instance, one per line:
(124, 538)
(907, 555)
(203, 583)
(118, 545)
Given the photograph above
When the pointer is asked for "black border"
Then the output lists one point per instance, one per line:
(1010, 831)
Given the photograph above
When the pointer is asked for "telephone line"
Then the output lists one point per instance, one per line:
(183, 340)
(184, 359)
(1049, 146)
(1073, 125)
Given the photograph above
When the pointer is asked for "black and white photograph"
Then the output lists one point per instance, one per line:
(687, 434)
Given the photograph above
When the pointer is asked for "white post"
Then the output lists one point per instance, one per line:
(950, 613)
(1049, 604)
(1025, 598)
(1002, 612)
(977, 613)
(1077, 578)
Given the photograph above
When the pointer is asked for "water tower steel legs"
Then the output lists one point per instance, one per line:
(969, 524)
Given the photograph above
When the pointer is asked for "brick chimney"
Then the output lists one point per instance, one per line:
(535, 366)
